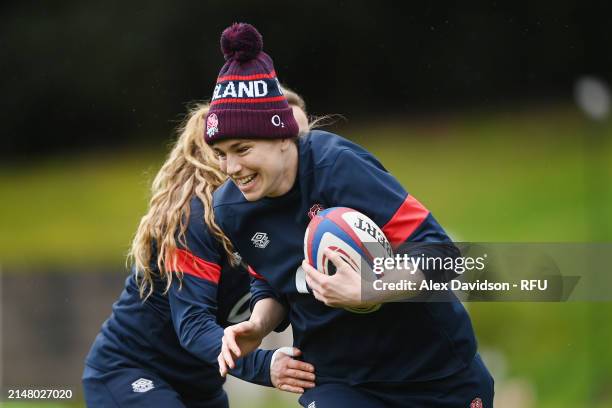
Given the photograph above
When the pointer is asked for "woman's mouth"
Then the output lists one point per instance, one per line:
(245, 181)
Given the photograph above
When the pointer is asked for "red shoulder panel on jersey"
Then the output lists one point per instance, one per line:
(254, 274)
(405, 221)
(188, 263)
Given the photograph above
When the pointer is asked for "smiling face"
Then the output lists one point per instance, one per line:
(259, 167)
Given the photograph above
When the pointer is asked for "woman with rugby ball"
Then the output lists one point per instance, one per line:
(404, 354)
(157, 349)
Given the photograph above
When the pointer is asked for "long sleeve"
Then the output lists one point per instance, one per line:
(193, 307)
(360, 182)
(260, 289)
(194, 299)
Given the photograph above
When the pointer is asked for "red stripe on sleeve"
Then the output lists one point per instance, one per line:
(254, 274)
(405, 221)
(188, 263)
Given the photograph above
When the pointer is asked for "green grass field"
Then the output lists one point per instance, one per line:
(499, 178)
(508, 177)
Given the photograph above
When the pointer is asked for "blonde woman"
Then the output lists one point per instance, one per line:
(145, 353)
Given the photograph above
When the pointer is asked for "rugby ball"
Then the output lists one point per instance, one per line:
(354, 236)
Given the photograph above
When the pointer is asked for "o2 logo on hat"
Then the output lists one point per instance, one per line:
(276, 121)
(212, 125)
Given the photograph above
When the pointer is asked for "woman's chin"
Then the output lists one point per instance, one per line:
(251, 196)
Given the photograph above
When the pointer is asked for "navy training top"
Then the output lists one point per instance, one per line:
(402, 341)
(178, 335)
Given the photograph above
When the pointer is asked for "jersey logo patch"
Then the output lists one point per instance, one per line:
(312, 405)
(476, 403)
(142, 385)
(260, 240)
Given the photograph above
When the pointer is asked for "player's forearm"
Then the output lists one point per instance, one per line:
(267, 314)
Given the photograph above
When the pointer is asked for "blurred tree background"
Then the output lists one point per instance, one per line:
(469, 105)
(92, 74)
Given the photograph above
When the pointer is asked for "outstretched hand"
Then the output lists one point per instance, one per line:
(238, 341)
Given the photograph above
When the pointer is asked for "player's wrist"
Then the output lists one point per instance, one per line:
(279, 352)
(259, 326)
(267, 314)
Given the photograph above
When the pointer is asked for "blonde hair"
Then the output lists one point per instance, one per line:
(190, 169)
(293, 98)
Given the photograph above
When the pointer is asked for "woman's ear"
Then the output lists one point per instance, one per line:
(285, 143)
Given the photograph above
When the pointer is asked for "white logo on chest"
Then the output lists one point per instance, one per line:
(260, 240)
(142, 385)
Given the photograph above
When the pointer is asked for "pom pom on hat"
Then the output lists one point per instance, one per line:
(241, 41)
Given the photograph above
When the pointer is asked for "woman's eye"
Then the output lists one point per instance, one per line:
(243, 150)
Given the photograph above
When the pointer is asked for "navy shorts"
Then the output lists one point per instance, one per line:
(135, 387)
(471, 387)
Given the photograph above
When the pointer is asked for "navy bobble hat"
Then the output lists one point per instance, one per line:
(248, 101)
